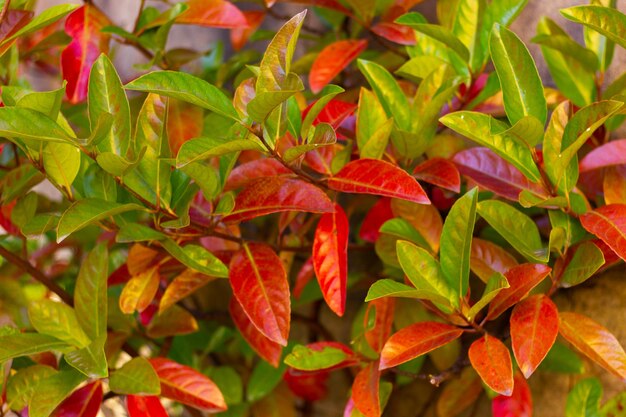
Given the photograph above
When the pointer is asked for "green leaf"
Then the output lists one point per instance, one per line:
(419, 67)
(598, 43)
(136, 377)
(614, 406)
(25, 209)
(42, 20)
(58, 320)
(584, 399)
(560, 41)
(390, 288)
(88, 211)
(91, 359)
(496, 283)
(23, 385)
(305, 359)
(18, 123)
(331, 91)
(372, 126)
(604, 20)
(263, 380)
(587, 259)
(562, 360)
(117, 165)
(61, 161)
(456, 242)
(24, 344)
(322, 135)
(229, 381)
(517, 228)
(52, 390)
(402, 229)
(388, 92)
(563, 176)
(197, 258)
(439, 33)
(18, 181)
(522, 88)
(46, 102)
(90, 294)
(185, 87)
(364, 8)
(467, 28)
(265, 102)
(207, 147)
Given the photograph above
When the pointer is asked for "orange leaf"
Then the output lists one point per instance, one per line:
(614, 185)
(400, 34)
(184, 284)
(140, 258)
(439, 172)
(383, 309)
(84, 402)
(595, 341)
(332, 60)
(519, 404)
(259, 283)
(491, 359)
(188, 386)
(330, 258)
(426, 219)
(486, 258)
(534, 327)
(171, 322)
(213, 13)
(365, 390)
(416, 340)
(139, 292)
(184, 122)
(609, 224)
(149, 406)
(239, 36)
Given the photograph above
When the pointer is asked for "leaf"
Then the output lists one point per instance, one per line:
(137, 377)
(84, 26)
(416, 340)
(52, 391)
(264, 380)
(495, 284)
(522, 279)
(199, 149)
(517, 228)
(330, 258)
(61, 162)
(43, 19)
(390, 288)
(90, 293)
(322, 135)
(439, 172)
(184, 284)
(424, 218)
(185, 87)
(84, 402)
(90, 360)
(23, 385)
(372, 176)
(522, 88)
(534, 327)
(613, 406)
(187, 386)
(29, 124)
(402, 35)
(88, 211)
(604, 20)
(172, 322)
(266, 102)
(584, 399)
(319, 356)
(377, 322)
(580, 265)
(608, 154)
(239, 36)
(332, 60)
(519, 404)
(140, 406)
(58, 320)
(244, 174)
(139, 292)
(267, 349)
(212, 13)
(184, 122)
(26, 344)
(440, 34)
(491, 359)
(196, 257)
(593, 340)
(608, 223)
(365, 390)
(458, 394)
(259, 283)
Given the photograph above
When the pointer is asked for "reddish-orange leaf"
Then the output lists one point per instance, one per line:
(5, 219)
(332, 60)
(306, 274)
(611, 153)
(439, 172)
(522, 279)
(213, 13)
(416, 340)
(382, 309)
(459, 393)
(519, 404)
(493, 173)
(372, 176)
(259, 283)
(139, 292)
(375, 218)
(245, 173)
(334, 113)
(487, 258)
(84, 402)
(534, 327)
(310, 386)
(614, 185)
(609, 224)
(239, 36)
(610, 257)
(184, 122)
(595, 341)
(426, 219)
(272, 195)
(149, 406)
(365, 390)
(400, 34)
(184, 284)
(491, 359)
(267, 349)
(330, 258)
(188, 386)
(140, 258)
(83, 25)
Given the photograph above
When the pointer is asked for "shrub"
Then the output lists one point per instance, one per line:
(207, 232)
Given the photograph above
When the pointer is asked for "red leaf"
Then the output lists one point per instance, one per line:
(243, 174)
(486, 258)
(375, 218)
(84, 402)
(5, 219)
(416, 340)
(267, 349)
(272, 195)
(213, 13)
(332, 60)
(365, 390)
(150, 406)
(383, 309)
(493, 173)
(259, 283)
(595, 341)
(611, 153)
(305, 275)
(188, 386)
(522, 279)
(83, 25)
(534, 327)
(439, 172)
(609, 224)
(400, 34)
(371, 176)
(519, 404)
(310, 386)
(334, 113)
(491, 359)
(330, 258)
(184, 122)
(239, 36)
